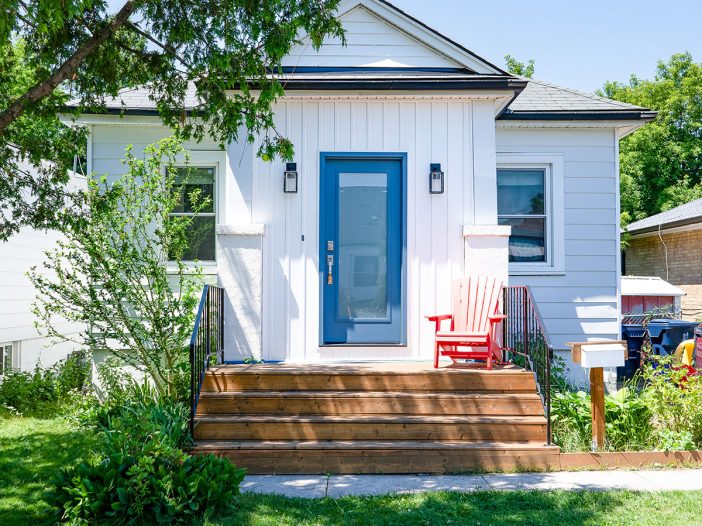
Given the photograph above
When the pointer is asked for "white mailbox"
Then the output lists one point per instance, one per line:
(611, 355)
(599, 354)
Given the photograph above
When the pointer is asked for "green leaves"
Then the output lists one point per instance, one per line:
(110, 273)
(516, 67)
(141, 475)
(661, 164)
(205, 64)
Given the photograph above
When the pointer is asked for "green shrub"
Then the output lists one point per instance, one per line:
(571, 420)
(141, 475)
(45, 392)
(627, 417)
(628, 421)
(674, 398)
(664, 413)
(162, 485)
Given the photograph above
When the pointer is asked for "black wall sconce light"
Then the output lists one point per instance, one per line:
(290, 178)
(436, 179)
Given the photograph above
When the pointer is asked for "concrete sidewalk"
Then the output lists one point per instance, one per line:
(316, 486)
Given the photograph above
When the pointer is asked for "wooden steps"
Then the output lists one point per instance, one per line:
(372, 418)
(369, 403)
(383, 457)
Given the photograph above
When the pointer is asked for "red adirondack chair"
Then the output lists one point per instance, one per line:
(474, 321)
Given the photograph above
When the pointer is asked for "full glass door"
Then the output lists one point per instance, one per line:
(362, 248)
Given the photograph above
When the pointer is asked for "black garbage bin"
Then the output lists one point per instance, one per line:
(634, 336)
(666, 335)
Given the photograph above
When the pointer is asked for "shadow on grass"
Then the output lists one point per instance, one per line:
(31, 453)
(494, 508)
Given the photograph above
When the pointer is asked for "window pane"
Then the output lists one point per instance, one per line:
(363, 239)
(520, 192)
(6, 359)
(194, 184)
(201, 240)
(528, 241)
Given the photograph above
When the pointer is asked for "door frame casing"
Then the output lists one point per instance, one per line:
(381, 156)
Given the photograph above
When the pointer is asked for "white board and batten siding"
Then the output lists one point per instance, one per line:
(429, 131)
(370, 42)
(580, 303)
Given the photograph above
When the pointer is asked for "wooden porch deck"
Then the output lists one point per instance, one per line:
(381, 417)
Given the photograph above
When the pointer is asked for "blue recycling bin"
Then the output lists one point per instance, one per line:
(666, 335)
(634, 336)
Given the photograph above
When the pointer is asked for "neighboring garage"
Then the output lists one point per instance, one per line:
(669, 246)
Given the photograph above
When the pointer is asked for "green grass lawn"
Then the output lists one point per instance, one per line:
(32, 450)
(487, 508)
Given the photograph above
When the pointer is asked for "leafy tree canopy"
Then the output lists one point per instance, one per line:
(523, 69)
(661, 164)
(224, 50)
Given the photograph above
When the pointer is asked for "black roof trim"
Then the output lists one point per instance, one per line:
(589, 115)
(667, 226)
(444, 37)
(493, 82)
(367, 69)
(138, 112)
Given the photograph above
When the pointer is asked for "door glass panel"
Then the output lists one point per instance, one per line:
(362, 251)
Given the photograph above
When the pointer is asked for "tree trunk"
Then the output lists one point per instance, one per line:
(44, 88)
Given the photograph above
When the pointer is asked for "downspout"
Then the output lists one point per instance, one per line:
(665, 250)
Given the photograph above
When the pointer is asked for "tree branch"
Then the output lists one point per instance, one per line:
(44, 88)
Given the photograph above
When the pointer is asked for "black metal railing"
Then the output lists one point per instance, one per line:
(527, 343)
(206, 342)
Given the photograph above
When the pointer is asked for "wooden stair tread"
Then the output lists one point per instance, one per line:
(217, 445)
(351, 370)
(365, 419)
(370, 394)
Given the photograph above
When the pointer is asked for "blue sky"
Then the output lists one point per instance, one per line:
(575, 43)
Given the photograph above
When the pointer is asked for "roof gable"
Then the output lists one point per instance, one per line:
(379, 35)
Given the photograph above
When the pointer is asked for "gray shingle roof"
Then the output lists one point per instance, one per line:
(542, 96)
(684, 214)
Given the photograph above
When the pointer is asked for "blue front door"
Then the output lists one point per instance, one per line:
(362, 234)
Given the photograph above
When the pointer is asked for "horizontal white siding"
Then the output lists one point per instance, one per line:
(18, 255)
(109, 143)
(370, 41)
(582, 303)
(440, 131)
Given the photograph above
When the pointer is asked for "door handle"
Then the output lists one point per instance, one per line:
(330, 266)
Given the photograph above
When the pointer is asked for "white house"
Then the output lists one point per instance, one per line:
(347, 266)
(22, 346)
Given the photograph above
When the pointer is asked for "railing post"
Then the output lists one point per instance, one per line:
(208, 333)
(192, 388)
(221, 322)
(548, 395)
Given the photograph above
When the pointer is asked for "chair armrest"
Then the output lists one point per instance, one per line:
(497, 317)
(439, 317)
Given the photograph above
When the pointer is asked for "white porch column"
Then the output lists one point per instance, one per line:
(486, 244)
(487, 250)
(240, 271)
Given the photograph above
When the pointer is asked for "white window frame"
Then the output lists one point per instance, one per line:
(216, 159)
(14, 356)
(554, 206)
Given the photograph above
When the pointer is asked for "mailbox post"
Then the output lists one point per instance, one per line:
(595, 356)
